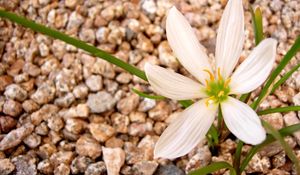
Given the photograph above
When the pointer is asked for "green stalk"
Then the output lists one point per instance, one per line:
(284, 78)
(281, 109)
(73, 41)
(142, 94)
(288, 150)
(257, 24)
(212, 168)
(237, 157)
(283, 132)
(290, 54)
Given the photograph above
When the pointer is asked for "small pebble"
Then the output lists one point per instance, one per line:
(88, 146)
(114, 159)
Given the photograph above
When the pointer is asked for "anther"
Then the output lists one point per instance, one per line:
(219, 74)
(211, 76)
(221, 93)
(207, 84)
(227, 82)
(209, 101)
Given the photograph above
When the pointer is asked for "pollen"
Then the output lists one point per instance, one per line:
(211, 75)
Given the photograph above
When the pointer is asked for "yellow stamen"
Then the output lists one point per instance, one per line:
(227, 82)
(219, 74)
(221, 93)
(211, 76)
(207, 84)
(209, 101)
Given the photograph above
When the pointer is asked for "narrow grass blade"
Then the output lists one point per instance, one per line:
(290, 54)
(284, 78)
(288, 150)
(281, 109)
(212, 168)
(257, 24)
(142, 94)
(237, 156)
(73, 41)
(284, 132)
(186, 103)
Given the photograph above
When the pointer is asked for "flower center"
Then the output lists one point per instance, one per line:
(216, 88)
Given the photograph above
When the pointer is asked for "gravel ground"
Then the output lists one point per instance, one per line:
(65, 112)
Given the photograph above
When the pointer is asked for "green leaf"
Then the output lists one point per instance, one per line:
(186, 103)
(212, 168)
(284, 132)
(290, 54)
(213, 134)
(237, 156)
(280, 109)
(257, 24)
(288, 150)
(284, 78)
(142, 94)
(73, 41)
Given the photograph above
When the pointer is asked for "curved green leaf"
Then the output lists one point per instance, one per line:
(212, 168)
(142, 94)
(288, 150)
(284, 132)
(280, 109)
(284, 78)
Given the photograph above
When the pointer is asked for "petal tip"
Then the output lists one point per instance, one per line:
(147, 67)
(259, 139)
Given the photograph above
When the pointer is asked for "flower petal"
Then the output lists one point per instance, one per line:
(230, 37)
(255, 69)
(186, 131)
(242, 121)
(186, 46)
(173, 85)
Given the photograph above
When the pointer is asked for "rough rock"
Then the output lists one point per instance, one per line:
(145, 167)
(62, 169)
(100, 102)
(101, 132)
(15, 137)
(61, 157)
(15, 92)
(128, 104)
(169, 169)
(6, 166)
(114, 159)
(44, 94)
(291, 119)
(12, 108)
(25, 165)
(97, 168)
(88, 146)
(94, 83)
(45, 167)
(80, 164)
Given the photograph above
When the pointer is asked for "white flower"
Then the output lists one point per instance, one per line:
(214, 89)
